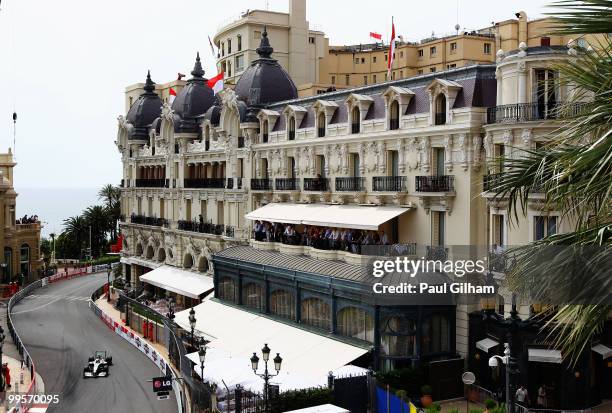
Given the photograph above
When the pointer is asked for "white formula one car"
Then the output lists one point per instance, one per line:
(97, 365)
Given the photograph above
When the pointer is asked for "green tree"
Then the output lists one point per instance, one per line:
(74, 235)
(574, 171)
(111, 195)
(97, 219)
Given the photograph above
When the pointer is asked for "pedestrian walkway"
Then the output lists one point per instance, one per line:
(20, 373)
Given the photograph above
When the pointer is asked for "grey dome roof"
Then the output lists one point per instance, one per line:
(144, 111)
(193, 101)
(265, 81)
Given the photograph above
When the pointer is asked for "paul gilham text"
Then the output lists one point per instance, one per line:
(424, 288)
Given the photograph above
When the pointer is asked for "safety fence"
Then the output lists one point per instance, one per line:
(141, 344)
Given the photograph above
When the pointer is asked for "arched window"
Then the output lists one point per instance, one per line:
(316, 313)
(202, 264)
(435, 334)
(282, 304)
(161, 255)
(150, 252)
(321, 125)
(265, 131)
(188, 261)
(440, 117)
(355, 119)
(291, 128)
(226, 289)
(356, 323)
(394, 115)
(398, 336)
(253, 296)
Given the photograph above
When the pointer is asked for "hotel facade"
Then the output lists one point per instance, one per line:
(409, 159)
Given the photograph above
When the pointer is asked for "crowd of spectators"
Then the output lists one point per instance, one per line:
(32, 219)
(326, 238)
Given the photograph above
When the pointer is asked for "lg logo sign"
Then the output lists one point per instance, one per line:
(162, 384)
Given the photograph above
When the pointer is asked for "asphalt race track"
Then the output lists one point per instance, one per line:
(60, 332)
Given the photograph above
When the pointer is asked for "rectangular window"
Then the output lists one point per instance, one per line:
(347, 79)
(386, 57)
(222, 49)
(439, 161)
(393, 75)
(363, 60)
(401, 74)
(487, 48)
(545, 41)
(333, 80)
(401, 54)
(356, 60)
(374, 59)
(239, 65)
(432, 69)
(451, 66)
(453, 47)
(438, 230)
(421, 53)
(420, 72)
(373, 78)
(498, 230)
(311, 40)
(365, 80)
(432, 51)
(355, 164)
(239, 43)
(393, 163)
(544, 227)
(229, 46)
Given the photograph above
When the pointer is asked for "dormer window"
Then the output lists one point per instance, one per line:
(321, 125)
(292, 128)
(394, 116)
(355, 120)
(265, 130)
(440, 106)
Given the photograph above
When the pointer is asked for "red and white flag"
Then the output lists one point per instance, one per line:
(391, 50)
(376, 36)
(172, 96)
(216, 83)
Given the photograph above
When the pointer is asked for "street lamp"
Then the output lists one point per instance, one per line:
(202, 356)
(266, 375)
(108, 272)
(2, 337)
(192, 324)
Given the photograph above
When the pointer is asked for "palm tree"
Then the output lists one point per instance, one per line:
(112, 195)
(97, 218)
(75, 229)
(574, 171)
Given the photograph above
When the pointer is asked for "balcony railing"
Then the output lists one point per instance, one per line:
(355, 128)
(440, 118)
(201, 227)
(394, 124)
(204, 182)
(443, 183)
(525, 112)
(316, 184)
(263, 184)
(144, 220)
(491, 182)
(229, 231)
(351, 184)
(436, 253)
(389, 183)
(150, 183)
(287, 184)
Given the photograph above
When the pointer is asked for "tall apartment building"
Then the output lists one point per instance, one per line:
(409, 159)
(20, 241)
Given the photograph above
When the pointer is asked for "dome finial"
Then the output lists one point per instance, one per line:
(264, 50)
(149, 84)
(197, 71)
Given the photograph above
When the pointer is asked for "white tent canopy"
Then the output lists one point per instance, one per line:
(235, 334)
(179, 281)
(486, 344)
(545, 356)
(341, 216)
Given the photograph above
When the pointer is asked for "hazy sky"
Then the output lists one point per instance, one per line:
(65, 63)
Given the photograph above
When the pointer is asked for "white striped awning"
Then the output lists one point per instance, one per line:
(543, 355)
(179, 281)
(486, 344)
(602, 349)
(335, 216)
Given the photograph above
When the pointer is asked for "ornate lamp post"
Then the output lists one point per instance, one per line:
(192, 324)
(202, 356)
(2, 337)
(266, 375)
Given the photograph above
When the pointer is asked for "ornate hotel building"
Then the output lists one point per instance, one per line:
(407, 158)
(20, 241)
